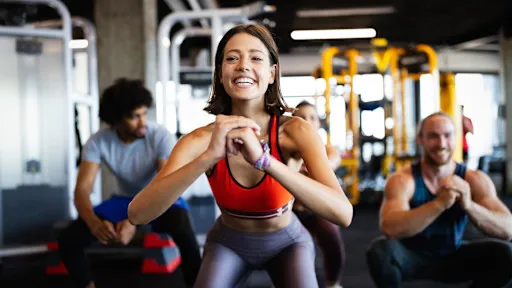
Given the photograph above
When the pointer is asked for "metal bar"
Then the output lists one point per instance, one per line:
(92, 59)
(92, 67)
(92, 70)
(472, 44)
(405, 139)
(92, 100)
(327, 73)
(176, 42)
(210, 4)
(171, 19)
(352, 55)
(26, 250)
(217, 33)
(177, 6)
(345, 12)
(417, 107)
(395, 76)
(449, 105)
(86, 100)
(195, 69)
(39, 249)
(68, 70)
(21, 31)
(196, 7)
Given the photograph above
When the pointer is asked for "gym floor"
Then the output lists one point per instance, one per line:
(28, 272)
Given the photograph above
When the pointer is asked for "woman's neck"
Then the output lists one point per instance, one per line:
(255, 113)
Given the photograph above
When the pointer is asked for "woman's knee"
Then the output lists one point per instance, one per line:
(295, 266)
(220, 267)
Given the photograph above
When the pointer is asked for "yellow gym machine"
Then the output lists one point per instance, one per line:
(345, 76)
(448, 104)
(403, 64)
(406, 64)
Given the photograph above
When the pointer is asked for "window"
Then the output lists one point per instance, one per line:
(479, 95)
(192, 101)
(296, 89)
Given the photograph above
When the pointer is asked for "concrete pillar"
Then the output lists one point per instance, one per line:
(506, 88)
(126, 35)
(506, 84)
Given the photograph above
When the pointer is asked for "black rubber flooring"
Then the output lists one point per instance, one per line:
(28, 272)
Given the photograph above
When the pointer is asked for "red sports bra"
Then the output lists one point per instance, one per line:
(266, 199)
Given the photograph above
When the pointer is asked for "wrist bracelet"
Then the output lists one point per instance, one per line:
(264, 160)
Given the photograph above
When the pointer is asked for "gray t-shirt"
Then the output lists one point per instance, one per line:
(134, 164)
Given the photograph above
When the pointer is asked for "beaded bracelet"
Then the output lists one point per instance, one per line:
(264, 160)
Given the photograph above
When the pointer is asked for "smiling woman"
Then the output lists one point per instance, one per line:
(263, 52)
(243, 154)
(237, 79)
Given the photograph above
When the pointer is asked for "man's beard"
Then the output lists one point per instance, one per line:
(138, 136)
(432, 161)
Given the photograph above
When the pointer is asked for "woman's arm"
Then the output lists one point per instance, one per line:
(193, 155)
(186, 163)
(333, 156)
(321, 191)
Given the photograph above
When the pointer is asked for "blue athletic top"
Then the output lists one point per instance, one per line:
(444, 235)
(115, 209)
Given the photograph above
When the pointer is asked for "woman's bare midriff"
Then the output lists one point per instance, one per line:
(257, 225)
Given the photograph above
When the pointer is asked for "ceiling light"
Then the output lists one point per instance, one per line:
(333, 34)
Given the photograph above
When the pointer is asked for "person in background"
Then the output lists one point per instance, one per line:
(134, 149)
(467, 127)
(424, 213)
(327, 234)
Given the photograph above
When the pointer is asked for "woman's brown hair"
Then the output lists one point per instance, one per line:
(219, 101)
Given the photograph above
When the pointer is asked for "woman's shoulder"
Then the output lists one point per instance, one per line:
(285, 121)
(293, 131)
(294, 125)
(200, 134)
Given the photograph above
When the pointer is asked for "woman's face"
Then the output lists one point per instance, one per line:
(309, 114)
(246, 68)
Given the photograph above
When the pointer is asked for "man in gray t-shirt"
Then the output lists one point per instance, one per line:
(134, 164)
(134, 150)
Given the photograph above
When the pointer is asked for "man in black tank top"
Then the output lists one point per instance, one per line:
(424, 213)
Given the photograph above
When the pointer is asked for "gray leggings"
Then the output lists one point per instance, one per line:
(288, 256)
